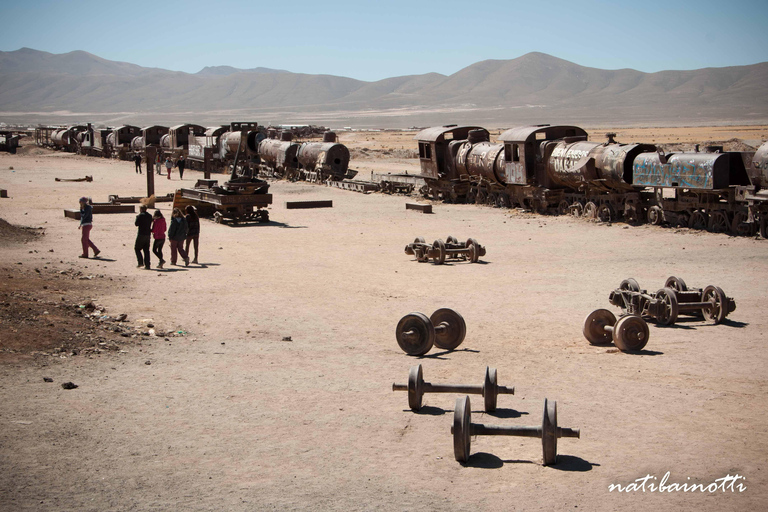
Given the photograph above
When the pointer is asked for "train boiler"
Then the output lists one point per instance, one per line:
(119, 140)
(279, 155)
(322, 161)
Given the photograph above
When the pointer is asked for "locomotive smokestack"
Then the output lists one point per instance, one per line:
(611, 138)
(272, 133)
(286, 136)
(475, 136)
(329, 137)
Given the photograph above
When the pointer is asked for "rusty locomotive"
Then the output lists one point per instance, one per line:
(310, 161)
(557, 169)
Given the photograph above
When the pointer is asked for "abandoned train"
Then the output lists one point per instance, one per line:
(555, 168)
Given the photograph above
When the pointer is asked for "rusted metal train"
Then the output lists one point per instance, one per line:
(557, 169)
(316, 162)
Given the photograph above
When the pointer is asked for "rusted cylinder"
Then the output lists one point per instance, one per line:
(279, 154)
(572, 163)
(485, 160)
(165, 141)
(137, 144)
(332, 158)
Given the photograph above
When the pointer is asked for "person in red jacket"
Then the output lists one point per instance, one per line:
(158, 232)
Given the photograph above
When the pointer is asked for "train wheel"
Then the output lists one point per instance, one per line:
(577, 209)
(668, 306)
(718, 222)
(605, 213)
(503, 201)
(631, 214)
(655, 215)
(676, 284)
(590, 210)
(481, 196)
(740, 226)
(564, 207)
(699, 220)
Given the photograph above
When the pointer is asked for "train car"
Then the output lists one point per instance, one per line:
(226, 143)
(178, 136)
(322, 161)
(438, 147)
(9, 141)
(119, 140)
(150, 136)
(714, 190)
(278, 156)
(66, 139)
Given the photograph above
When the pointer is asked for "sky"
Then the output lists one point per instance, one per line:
(374, 40)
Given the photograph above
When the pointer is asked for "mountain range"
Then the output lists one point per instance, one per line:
(537, 88)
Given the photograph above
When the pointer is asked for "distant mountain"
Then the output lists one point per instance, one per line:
(535, 88)
(229, 70)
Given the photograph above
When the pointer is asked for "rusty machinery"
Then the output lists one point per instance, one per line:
(629, 334)
(463, 429)
(416, 333)
(673, 299)
(439, 251)
(416, 387)
(557, 169)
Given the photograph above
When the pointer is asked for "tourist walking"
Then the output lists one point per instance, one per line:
(168, 166)
(193, 230)
(177, 233)
(143, 237)
(137, 161)
(181, 164)
(86, 223)
(158, 231)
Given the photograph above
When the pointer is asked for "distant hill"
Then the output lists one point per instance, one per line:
(535, 88)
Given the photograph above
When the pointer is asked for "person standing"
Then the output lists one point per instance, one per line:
(177, 233)
(86, 223)
(144, 222)
(159, 165)
(168, 166)
(193, 232)
(158, 231)
(137, 161)
(181, 164)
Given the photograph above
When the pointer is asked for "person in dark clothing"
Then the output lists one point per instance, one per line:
(181, 163)
(193, 232)
(137, 161)
(144, 222)
(177, 233)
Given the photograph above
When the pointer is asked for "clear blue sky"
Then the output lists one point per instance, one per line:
(375, 40)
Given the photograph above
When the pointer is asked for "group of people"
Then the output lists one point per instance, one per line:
(181, 163)
(184, 230)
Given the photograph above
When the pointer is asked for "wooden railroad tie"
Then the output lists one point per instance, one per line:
(423, 208)
(295, 205)
(101, 209)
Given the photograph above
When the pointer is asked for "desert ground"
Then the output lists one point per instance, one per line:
(261, 378)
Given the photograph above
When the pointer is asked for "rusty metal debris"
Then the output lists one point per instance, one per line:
(451, 249)
(87, 178)
(9, 141)
(416, 333)
(463, 429)
(295, 205)
(673, 299)
(416, 387)
(629, 334)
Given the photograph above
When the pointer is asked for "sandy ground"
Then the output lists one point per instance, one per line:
(233, 417)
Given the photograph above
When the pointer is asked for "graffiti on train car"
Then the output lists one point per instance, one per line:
(650, 171)
(564, 158)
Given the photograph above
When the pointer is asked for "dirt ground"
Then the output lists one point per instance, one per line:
(261, 378)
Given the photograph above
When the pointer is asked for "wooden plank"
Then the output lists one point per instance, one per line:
(3, 192)
(101, 209)
(423, 208)
(293, 205)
